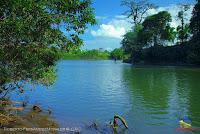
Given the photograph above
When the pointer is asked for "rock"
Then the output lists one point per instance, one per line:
(36, 108)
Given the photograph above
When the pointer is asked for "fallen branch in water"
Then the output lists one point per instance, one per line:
(116, 117)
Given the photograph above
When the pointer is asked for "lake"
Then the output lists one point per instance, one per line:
(151, 99)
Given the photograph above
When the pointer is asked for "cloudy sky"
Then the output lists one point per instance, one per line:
(112, 25)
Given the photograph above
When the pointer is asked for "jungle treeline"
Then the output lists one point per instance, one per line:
(153, 40)
(93, 54)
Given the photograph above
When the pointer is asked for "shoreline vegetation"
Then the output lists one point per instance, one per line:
(177, 55)
(116, 54)
(85, 54)
(32, 41)
(31, 38)
(154, 41)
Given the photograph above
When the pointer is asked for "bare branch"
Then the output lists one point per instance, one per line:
(136, 9)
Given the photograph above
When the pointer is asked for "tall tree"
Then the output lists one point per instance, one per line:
(137, 9)
(156, 29)
(194, 55)
(130, 40)
(32, 32)
(195, 22)
(183, 29)
(117, 54)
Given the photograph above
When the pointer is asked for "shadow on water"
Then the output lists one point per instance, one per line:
(160, 96)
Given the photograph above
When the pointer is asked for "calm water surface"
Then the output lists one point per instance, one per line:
(151, 99)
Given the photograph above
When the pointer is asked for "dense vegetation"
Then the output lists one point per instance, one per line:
(31, 38)
(85, 54)
(117, 54)
(154, 41)
(93, 54)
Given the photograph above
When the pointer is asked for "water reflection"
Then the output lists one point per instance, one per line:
(151, 99)
(161, 95)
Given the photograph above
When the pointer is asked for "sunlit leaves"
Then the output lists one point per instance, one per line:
(156, 28)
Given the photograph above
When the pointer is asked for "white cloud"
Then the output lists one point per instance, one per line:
(119, 25)
(107, 30)
(102, 42)
(109, 35)
(116, 28)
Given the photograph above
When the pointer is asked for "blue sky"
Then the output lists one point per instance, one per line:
(112, 25)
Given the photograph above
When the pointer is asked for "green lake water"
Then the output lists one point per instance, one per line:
(151, 99)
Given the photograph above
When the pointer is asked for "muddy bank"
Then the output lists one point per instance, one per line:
(20, 119)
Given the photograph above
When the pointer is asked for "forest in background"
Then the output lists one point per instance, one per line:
(153, 40)
(94, 54)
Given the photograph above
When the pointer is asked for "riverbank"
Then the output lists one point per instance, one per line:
(16, 118)
(177, 55)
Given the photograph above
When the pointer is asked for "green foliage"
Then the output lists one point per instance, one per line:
(169, 33)
(31, 37)
(85, 54)
(94, 54)
(156, 28)
(195, 22)
(130, 41)
(164, 55)
(183, 33)
(195, 30)
(183, 29)
(147, 45)
(117, 53)
(185, 54)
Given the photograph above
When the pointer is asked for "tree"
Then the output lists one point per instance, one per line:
(129, 42)
(194, 55)
(183, 29)
(195, 21)
(156, 29)
(117, 53)
(32, 34)
(137, 9)
(169, 34)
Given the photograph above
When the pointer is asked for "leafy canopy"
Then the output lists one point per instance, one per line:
(130, 41)
(156, 29)
(32, 32)
(183, 28)
(117, 53)
(195, 22)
